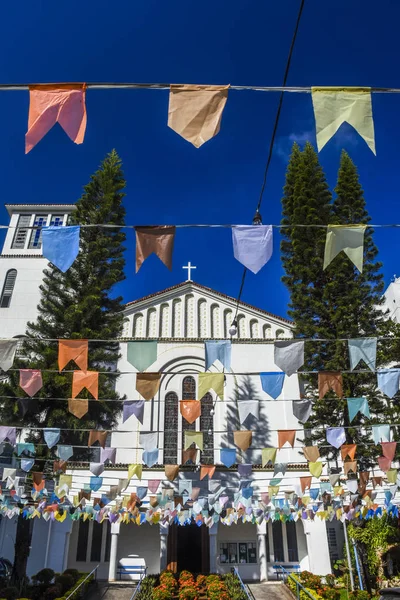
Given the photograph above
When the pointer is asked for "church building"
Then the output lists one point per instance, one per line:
(180, 318)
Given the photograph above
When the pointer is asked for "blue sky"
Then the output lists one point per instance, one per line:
(241, 42)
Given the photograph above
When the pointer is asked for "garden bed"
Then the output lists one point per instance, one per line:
(48, 585)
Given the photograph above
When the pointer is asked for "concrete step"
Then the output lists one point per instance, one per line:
(270, 591)
(113, 591)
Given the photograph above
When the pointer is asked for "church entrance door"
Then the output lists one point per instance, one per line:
(188, 548)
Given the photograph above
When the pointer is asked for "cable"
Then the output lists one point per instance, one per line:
(266, 341)
(192, 226)
(186, 372)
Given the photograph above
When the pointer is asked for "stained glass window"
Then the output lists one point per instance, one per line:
(171, 429)
(188, 393)
(207, 425)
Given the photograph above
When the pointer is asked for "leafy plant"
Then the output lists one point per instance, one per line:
(10, 593)
(44, 576)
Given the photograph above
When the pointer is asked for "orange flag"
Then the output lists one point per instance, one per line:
(364, 476)
(207, 470)
(376, 481)
(305, 482)
(78, 407)
(171, 472)
(348, 450)
(311, 453)
(242, 439)
(350, 465)
(389, 449)
(85, 379)
(330, 380)
(148, 384)
(189, 454)
(190, 410)
(98, 436)
(158, 239)
(62, 103)
(59, 465)
(384, 463)
(37, 477)
(286, 435)
(76, 350)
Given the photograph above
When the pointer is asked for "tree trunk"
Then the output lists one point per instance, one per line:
(22, 549)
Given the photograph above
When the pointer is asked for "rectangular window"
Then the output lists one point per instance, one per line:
(108, 542)
(292, 541)
(278, 541)
(35, 242)
(56, 220)
(21, 232)
(238, 553)
(97, 535)
(83, 535)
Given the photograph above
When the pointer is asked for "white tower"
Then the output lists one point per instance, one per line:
(22, 263)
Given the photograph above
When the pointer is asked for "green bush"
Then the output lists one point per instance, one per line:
(10, 593)
(52, 592)
(73, 572)
(291, 583)
(65, 582)
(359, 595)
(234, 588)
(146, 588)
(44, 576)
(78, 593)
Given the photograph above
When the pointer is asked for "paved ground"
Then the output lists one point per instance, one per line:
(270, 591)
(112, 591)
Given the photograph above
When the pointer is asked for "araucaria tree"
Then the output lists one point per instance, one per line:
(78, 304)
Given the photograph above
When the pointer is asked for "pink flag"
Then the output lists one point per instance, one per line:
(30, 380)
(56, 103)
(153, 484)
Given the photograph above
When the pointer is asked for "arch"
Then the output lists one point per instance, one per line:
(151, 329)
(254, 329)
(214, 320)
(202, 318)
(188, 393)
(189, 316)
(242, 333)
(164, 320)
(206, 426)
(171, 429)
(177, 318)
(267, 331)
(138, 325)
(279, 333)
(8, 288)
(228, 318)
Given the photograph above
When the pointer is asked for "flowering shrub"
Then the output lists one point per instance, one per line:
(359, 595)
(167, 579)
(188, 591)
(162, 592)
(186, 578)
(216, 590)
(201, 580)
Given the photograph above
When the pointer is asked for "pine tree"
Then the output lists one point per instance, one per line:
(74, 305)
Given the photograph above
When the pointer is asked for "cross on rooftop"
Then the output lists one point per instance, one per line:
(189, 268)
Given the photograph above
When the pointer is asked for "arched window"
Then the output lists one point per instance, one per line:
(215, 329)
(138, 323)
(280, 333)
(241, 326)
(202, 318)
(171, 429)
(151, 323)
(254, 331)
(188, 393)
(177, 318)
(8, 288)
(207, 426)
(228, 318)
(267, 331)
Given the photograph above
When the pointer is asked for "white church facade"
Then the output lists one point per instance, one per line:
(180, 318)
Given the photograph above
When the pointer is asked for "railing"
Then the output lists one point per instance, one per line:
(137, 590)
(298, 584)
(244, 587)
(82, 582)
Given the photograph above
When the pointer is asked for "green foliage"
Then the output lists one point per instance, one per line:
(359, 595)
(44, 576)
(52, 592)
(64, 582)
(375, 537)
(146, 588)
(74, 574)
(291, 583)
(79, 593)
(234, 588)
(10, 593)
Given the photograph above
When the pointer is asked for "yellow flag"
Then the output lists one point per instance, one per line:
(135, 469)
(315, 469)
(392, 475)
(193, 437)
(350, 239)
(208, 381)
(267, 455)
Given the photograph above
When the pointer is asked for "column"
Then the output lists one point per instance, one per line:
(112, 573)
(163, 546)
(213, 548)
(285, 544)
(317, 546)
(262, 550)
(271, 542)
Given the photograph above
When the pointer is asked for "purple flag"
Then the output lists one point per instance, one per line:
(336, 436)
(252, 245)
(8, 433)
(108, 454)
(133, 407)
(244, 470)
(153, 485)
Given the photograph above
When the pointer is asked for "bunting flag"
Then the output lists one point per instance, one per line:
(289, 356)
(214, 381)
(207, 470)
(189, 455)
(330, 380)
(142, 355)
(268, 455)
(97, 436)
(336, 436)
(246, 408)
(88, 380)
(334, 479)
(150, 457)
(8, 349)
(381, 433)
(350, 239)
(59, 466)
(64, 452)
(141, 491)
(286, 436)
(334, 106)
(61, 245)
(389, 449)
(242, 439)
(27, 405)
(108, 454)
(218, 350)
(190, 410)
(30, 380)
(171, 472)
(28, 448)
(272, 383)
(392, 475)
(135, 470)
(78, 407)
(305, 482)
(193, 437)
(95, 483)
(384, 463)
(27, 464)
(76, 350)
(352, 485)
(357, 405)
(350, 466)
(158, 239)
(362, 349)
(153, 485)
(195, 111)
(315, 469)
(388, 381)
(244, 470)
(280, 468)
(148, 384)
(96, 468)
(228, 456)
(348, 450)
(133, 407)
(51, 436)
(149, 441)
(311, 453)
(62, 103)
(302, 410)
(376, 481)
(8, 433)
(273, 490)
(185, 486)
(252, 245)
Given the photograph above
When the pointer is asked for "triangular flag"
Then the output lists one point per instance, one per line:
(302, 410)
(286, 436)
(330, 380)
(289, 356)
(228, 456)
(242, 439)
(76, 350)
(133, 407)
(190, 410)
(150, 457)
(311, 453)
(142, 355)
(108, 454)
(207, 470)
(246, 408)
(64, 452)
(153, 485)
(350, 239)
(392, 475)
(348, 450)
(272, 383)
(336, 436)
(350, 465)
(78, 407)
(8, 433)
(8, 349)
(60, 245)
(193, 437)
(362, 349)
(334, 106)
(268, 455)
(384, 463)
(148, 384)
(96, 468)
(158, 239)
(88, 380)
(171, 472)
(381, 433)
(208, 381)
(389, 449)
(135, 469)
(252, 245)
(195, 111)
(315, 469)
(388, 381)
(30, 380)
(218, 350)
(149, 441)
(97, 436)
(305, 483)
(51, 436)
(356, 405)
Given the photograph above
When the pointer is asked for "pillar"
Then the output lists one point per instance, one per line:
(213, 547)
(317, 546)
(262, 550)
(163, 546)
(112, 573)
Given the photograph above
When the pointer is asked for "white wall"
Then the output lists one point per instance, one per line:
(141, 542)
(241, 532)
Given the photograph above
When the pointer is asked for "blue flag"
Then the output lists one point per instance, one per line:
(150, 457)
(218, 349)
(356, 405)
(141, 491)
(381, 433)
(272, 383)
(27, 448)
(228, 456)
(51, 436)
(27, 463)
(388, 381)
(362, 349)
(95, 483)
(61, 245)
(64, 452)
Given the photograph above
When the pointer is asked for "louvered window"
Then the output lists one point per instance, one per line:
(171, 429)
(8, 288)
(21, 232)
(35, 242)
